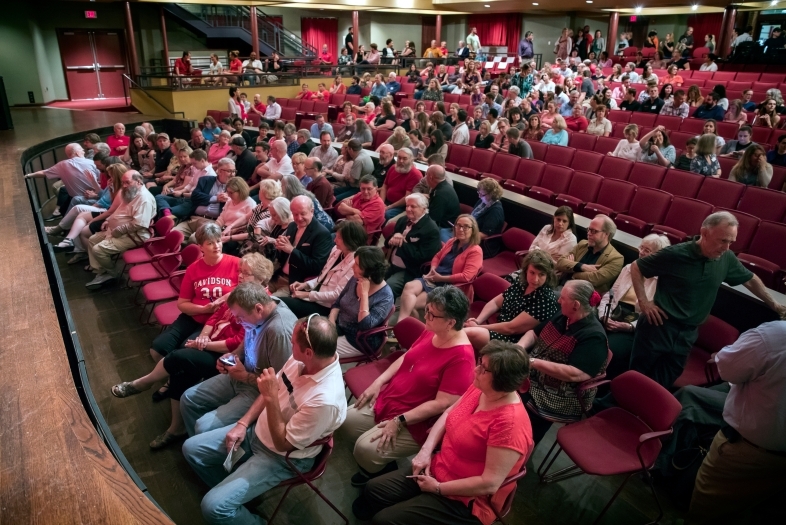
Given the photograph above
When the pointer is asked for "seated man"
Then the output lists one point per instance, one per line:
(399, 181)
(326, 153)
(278, 164)
(176, 199)
(443, 201)
(319, 185)
(361, 165)
(305, 144)
(123, 230)
(415, 241)
(245, 161)
(320, 126)
(365, 207)
(594, 260)
(302, 403)
(386, 159)
(208, 198)
(224, 399)
(78, 174)
(273, 111)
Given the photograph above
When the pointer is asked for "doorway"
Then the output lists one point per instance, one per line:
(94, 63)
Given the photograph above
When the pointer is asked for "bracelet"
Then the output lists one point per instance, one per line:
(242, 424)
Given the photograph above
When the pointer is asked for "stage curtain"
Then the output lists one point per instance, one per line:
(497, 30)
(319, 31)
(704, 24)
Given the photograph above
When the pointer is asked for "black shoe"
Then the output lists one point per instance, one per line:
(362, 510)
(359, 479)
(158, 395)
(362, 477)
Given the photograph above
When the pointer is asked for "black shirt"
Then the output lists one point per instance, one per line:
(630, 106)
(246, 163)
(447, 130)
(306, 147)
(380, 171)
(162, 159)
(774, 43)
(443, 205)
(348, 40)
(480, 142)
(652, 105)
(683, 163)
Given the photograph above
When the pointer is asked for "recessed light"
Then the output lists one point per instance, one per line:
(694, 7)
(486, 5)
(534, 3)
(774, 2)
(589, 1)
(638, 9)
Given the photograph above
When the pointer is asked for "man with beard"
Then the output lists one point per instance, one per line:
(349, 129)
(121, 231)
(208, 198)
(399, 181)
(387, 157)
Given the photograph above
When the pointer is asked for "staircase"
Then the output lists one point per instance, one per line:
(223, 25)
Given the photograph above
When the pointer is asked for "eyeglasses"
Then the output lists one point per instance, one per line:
(593, 231)
(308, 325)
(480, 194)
(430, 316)
(463, 227)
(479, 364)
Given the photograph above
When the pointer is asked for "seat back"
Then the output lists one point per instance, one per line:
(288, 114)
(650, 205)
(459, 155)
(172, 241)
(337, 99)
(721, 192)
(321, 106)
(695, 126)
(587, 161)
(517, 240)
(616, 194)
(669, 122)
(749, 224)
(190, 255)
(714, 334)
(481, 159)
(559, 155)
(682, 183)
(622, 117)
(728, 130)
(538, 149)
(768, 243)
(764, 203)
(643, 119)
(505, 165)
(306, 106)
(686, 215)
(556, 178)
(585, 185)
(380, 136)
(582, 141)
(647, 175)
(606, 145)
(646, 399)
(488, 286)
(615, 168)
(530, 172)
(215, 113)
(407, 331)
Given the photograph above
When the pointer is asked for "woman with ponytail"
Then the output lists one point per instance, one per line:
(565, 351)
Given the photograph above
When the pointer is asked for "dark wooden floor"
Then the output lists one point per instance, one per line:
(115, 347)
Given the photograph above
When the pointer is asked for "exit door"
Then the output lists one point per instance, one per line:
(94, 63)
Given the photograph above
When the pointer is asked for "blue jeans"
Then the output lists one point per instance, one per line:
(179, 206)
(392, 212)
(215, 403)
(258, 471)
(445, 234)
(81, 199)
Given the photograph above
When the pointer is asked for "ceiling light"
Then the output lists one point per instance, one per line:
(534, 3)
(638, 9)
(694, 7)
(486, 5)
(589, 1)
(774, 2)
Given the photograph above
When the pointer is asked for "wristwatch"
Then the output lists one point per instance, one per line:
(402, 420)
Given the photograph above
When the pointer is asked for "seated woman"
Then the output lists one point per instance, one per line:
(484, 139)
(706, 163)
(242, 242)
(436, 145)
(319, 294)
(557, 134)
(457, 263)
(655, 148)
(482, 439)
(392, 423)
(386, 118)
(220, 149)
(767, 114)
(398, 139)
(600, 125)
(623, 307)
(557, 369)
(629, 147)
(196, 361)
(526, 303)
(266, 231)
(535, 129)
(236, 212)
(558, 238)
(198, 303)
(364, 303)
(752, 169)
(490, 216)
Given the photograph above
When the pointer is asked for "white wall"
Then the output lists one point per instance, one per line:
(454, 28)
(546, 31)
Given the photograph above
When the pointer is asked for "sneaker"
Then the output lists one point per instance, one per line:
(99, 281)
(78, 257)
(166, 213)
(66, 245)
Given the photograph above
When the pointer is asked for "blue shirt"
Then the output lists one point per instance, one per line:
(715, 113)
(315, 131)
(560, 139)
(566, 110)
(379, 90)
(211, 135)
(494, 105)
(104, 199)
(269, 344)
(348, 304)
(393, 87)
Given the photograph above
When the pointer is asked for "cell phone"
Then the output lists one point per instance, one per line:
(228, 360)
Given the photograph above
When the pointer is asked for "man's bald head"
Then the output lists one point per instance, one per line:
(74, 150)
(302, 209)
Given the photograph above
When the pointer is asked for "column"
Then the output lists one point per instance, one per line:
(130, 40)
(254, 30)
(724, 42)
(164, 39)
(438, 36)
(611, 37)
(355, 32)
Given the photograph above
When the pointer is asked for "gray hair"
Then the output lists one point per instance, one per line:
(225, 161)
(136, 176)
(515, 90)
(420, 200)
(452, 302)
(103, 147)
(306, 134)
(718, 218)
(73, 149)
(437, 171)
(658, 242)
(281, 205)
(294, 188)
(225, 133)
(248, 295)
(608, 225)
(289, 129)
(142, 132)
(580, 291)
(209, 231)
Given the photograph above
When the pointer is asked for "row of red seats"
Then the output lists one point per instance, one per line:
(720, 76)
(643, 198)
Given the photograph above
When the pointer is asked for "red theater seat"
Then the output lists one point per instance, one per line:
(583, 141)
(714, 334)
(614, 196)
(528, 174)
(682, 183)
(683, 219)
(764, 203)
(479, 162)
(584, 187)
(515, 241)
(766, 256)
(647, 175)
(538, 149)
(745, 231)
(615, 168)
(649, 207)
(556, 180)
(720, 192)
(606, 145)
(587, 161)
(559, 155)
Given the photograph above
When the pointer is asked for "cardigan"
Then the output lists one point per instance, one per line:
(334, 278)
(466, 267)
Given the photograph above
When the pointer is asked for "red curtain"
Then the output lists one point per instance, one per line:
(705, 24)
(319, 31)
(496, 30)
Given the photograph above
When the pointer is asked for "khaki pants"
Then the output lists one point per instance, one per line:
(735, 477)
(103, 247)
(345, 349)
(360, 426)
(188, 228)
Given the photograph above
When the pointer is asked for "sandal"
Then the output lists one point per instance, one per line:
(161, 394)
(166, 439)
(66, 245)
(125, 389)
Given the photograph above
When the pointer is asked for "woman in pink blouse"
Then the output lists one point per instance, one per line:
(559, 238)
(480, 441)
(547, 117)
(237, 210)
(220, 149)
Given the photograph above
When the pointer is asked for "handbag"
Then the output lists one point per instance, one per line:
(624, 313)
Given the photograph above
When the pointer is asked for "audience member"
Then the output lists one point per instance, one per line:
(366, 207)
(516, 145)
(656, 149)
(557, 134)
(443, 201)
(736, 147)
(489, 215)
(777, 157)
(594, 260)
(710, 109)
(629, 147)
(384, 163)
(361, 165)
(557, 239)
(706, 163)
(752, 169)
(78, 175)
(119, 142)
(577, 122)
(600, 125)
(401, 178)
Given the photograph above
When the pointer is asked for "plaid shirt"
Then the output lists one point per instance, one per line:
(669, 110)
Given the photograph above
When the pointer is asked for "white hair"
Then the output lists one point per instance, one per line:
(72, 150)
(718, 218)
(420, 200)
(281, 205)
(657, 242)
(225, 161)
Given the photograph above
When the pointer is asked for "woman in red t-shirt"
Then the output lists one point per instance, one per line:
(485, 438)
(235, 66)
(188, 366)
(391, 419)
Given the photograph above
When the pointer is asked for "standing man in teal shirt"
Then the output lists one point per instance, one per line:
(689, 275)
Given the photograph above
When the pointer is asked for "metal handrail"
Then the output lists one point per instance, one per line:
(151, 97)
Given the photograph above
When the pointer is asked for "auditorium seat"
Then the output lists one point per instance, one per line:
(763, 135)
(514, 241)
(647, 175)
(614, 197)
(704, 75)
(694, 126)
(479, 162)
(753, 77)
(587, 161)
(584, 187)
(726, 164)
(538, 149)
(458, 156)
(766, 255)
(723, 76)
(682, 183)
(560, 155)
(714, 334)
(605, 145)
(288, 114)
(773, 78)
(380, 136)
(683, 219)
(528, 174)
(745, 231)
(620, 117)
(643, 119)
(487, 287)
(582, 141)
(720, 192)
(678, 139)
(649, 207)
(736, 88)
(504, 165)
(764, 203)
(556, 180)
(669, 122)
(615, 168)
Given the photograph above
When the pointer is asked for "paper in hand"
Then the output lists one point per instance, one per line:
(233, 457)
